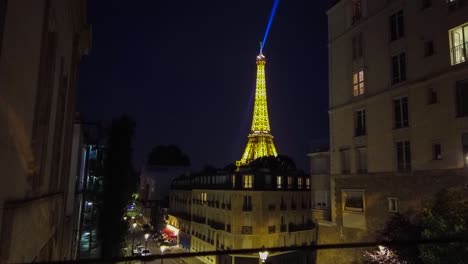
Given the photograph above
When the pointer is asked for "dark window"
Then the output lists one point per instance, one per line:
(360, 122)
(397, 26)
(465, 148)
(436, 152)
(247, 205)
(361, 160)
(400, 106)
(403, 151)
(3, 7)
(432, 96)
(398, 68)
(426, 4)
(357, 10)
(428, 48)
(345, 161)
(462, 98)
(357, 46)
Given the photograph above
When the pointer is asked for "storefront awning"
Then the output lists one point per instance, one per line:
(171, 231)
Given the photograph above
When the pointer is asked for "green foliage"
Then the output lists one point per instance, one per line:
(280, 164)
(382, 255)
(118, 185)
(447, 216)
(169, 155)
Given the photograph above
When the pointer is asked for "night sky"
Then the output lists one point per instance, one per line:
(185, 71)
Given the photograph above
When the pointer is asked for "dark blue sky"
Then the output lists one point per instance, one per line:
(185, 71)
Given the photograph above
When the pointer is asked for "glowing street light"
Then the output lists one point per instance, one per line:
(133, 238)
(146, 240)
(263, 254)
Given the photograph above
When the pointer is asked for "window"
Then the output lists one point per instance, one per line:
(299, 183)
(360, 122)
(247, 205)
(361, 160)
(462, 98)
(248, 179)
(426, 4)
(357, 10)
(307, 181)
(432, 96)
(320, 199)
(398, 68)
(203, 198)
(465, 148)
(233, 180)
(354, 200)
(428, 48)
(403, 153)
(345, 164)
(397, 26)
(290, 182)
(358, 83)
(436, 152)
(357, 46)
(452, 5)
(392, 204)
(400, 106)
(459, 44)
(279, 182)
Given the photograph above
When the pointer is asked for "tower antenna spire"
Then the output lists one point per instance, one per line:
(261, 48)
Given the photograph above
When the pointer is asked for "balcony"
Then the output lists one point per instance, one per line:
(199, 219)
(247, 207)
(246, 230)
(228, 206)
(459, 54)
(309, 225)
(216, 225)
(180, 215)
(271, 229)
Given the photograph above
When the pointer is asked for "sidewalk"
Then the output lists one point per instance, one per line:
(192, 260)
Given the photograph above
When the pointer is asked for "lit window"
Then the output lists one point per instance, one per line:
(392, 204)
(459, 44)
(204, 198)
(248, 179)
(354, 200)
(279, 182)
(299, 183)
(233, 180)
(290, 182)
(307, 181)
(358, 83)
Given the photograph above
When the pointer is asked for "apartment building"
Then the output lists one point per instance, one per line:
(243, 210)
(41, 44)
(398, 96)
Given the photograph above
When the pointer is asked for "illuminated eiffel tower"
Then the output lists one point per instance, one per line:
(260, 140)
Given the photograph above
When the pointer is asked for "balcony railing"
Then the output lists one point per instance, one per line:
(301, 227)
(216, 225)
(459, 53)
(199, 219)
(247, 207)
(246, 230)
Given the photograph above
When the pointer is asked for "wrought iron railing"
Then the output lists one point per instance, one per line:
(459, 53)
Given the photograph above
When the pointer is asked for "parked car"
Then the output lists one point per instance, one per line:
(145, 252)
(138, 249)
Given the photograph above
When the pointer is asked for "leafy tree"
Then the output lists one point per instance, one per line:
(280, 163)
(118, 185)
(383, 255)
(169, 155)
(447, 216)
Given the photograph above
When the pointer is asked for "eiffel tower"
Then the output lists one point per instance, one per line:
(260, 140)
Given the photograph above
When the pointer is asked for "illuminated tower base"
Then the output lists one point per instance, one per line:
(260, 140)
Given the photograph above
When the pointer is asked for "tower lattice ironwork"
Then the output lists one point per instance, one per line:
(260, 141)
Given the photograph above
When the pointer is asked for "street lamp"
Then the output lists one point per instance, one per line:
(163, 247)
(263, 254)
(133, 239)
(146, 240)
(125, 218)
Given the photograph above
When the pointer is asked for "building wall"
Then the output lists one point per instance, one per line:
(41, 45)
(218, 218)
(429, 123)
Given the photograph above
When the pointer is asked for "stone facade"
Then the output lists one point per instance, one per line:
(42, 42)
(242, 210)
(398, 123)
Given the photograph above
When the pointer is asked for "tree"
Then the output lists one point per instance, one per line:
(383, 255)
(119, 183)
(169, 155)
(446, 216)
(281, 163)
